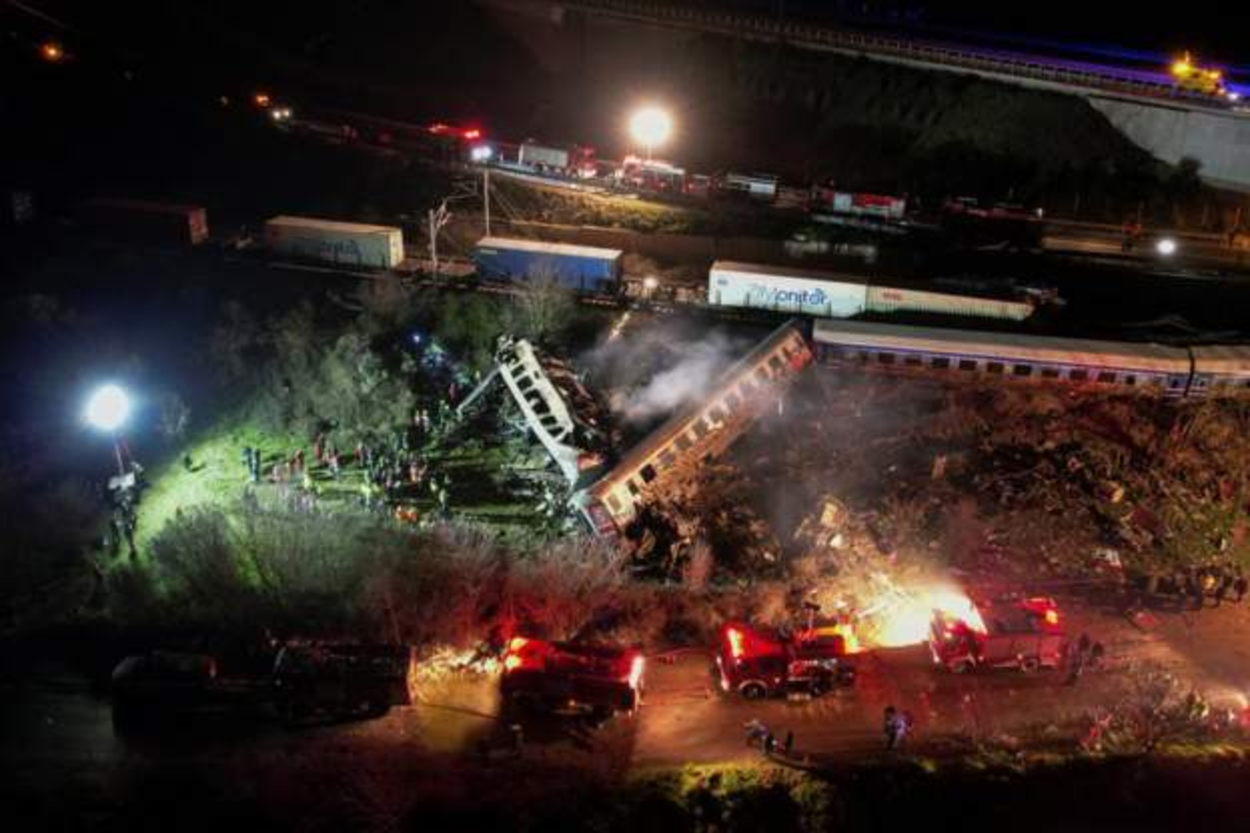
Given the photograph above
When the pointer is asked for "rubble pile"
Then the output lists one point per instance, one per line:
(1014, 481)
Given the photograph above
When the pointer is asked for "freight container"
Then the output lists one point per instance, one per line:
(783, 289)
(759, 187)
(145, 222)
(574, 161)
(878, 206)
(892, 299)
(331, 241)
(583, 268)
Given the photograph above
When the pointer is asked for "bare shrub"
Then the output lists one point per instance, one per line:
(699, 565)
(1156, 708)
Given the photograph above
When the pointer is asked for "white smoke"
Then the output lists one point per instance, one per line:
(659, 369)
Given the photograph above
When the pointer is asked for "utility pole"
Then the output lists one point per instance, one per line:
(486, 196)
(438, 218)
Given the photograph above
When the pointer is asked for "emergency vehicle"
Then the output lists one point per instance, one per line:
(1022, 633)
(759, 663)
(570, 677)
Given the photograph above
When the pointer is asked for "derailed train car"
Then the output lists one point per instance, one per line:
(1146, 368)
(611, 503)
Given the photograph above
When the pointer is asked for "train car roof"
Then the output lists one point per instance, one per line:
(767, 270)
(289, 221)
(675, 425)
(542, 247)
(1222, 358)
(1008, 346)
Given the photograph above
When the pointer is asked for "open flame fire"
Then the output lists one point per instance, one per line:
(897, 616)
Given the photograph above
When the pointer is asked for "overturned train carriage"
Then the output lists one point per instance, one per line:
(1142, 367)
(674, 450)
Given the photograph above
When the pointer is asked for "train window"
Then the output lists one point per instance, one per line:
(633, 487)
(1050, 373)
(913, 361)
(613, 503)
(667, 458)
(885, 358)
(775, 363)
(993, 367)
(701, 428)
(719, 414)
(941, 363)
(1022, 370)
(732, 401)
(1077, 375)
(1106, 377)
(864, 355)
(684, 442)
(1173, 384)
(1130, 380)
(762, 373)
(648, 473)
(967, 364)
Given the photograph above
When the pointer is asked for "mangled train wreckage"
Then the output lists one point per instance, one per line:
(673, 452)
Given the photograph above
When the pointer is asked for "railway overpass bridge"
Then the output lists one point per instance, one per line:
(1145, 106)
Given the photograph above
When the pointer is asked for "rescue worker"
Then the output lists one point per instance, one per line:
(1078, 656)
(788, 746)
(891, 727)
(1240, 586)
(756, 731)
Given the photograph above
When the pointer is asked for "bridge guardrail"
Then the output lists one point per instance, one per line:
(883, 44)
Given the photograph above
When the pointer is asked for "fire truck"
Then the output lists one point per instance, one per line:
(1012, 632)
(760, 663)
(566, 677)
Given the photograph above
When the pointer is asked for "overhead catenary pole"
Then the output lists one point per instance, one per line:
(486, 197)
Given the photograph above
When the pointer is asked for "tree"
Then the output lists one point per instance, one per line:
(470, 325)
(544, 306)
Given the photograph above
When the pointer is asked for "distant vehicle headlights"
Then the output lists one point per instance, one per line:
(481, 153)
(1166, 246)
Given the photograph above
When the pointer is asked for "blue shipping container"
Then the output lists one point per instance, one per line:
(583, 268)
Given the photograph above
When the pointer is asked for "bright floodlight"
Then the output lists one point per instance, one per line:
(108, 408)
(1166, 246)
(650, 126)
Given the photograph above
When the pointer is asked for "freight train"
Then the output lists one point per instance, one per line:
(733, 285)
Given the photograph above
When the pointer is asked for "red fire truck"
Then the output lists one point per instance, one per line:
(1014, 632)
(759, 663)
(571, 677)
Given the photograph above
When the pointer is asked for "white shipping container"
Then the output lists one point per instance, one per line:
(331, 241)
(891, 299)
(539, 155)
(782, 289)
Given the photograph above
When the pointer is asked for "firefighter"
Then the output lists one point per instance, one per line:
(788, 746)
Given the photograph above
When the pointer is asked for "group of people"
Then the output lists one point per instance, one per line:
(1195, 586)
(387, 467)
